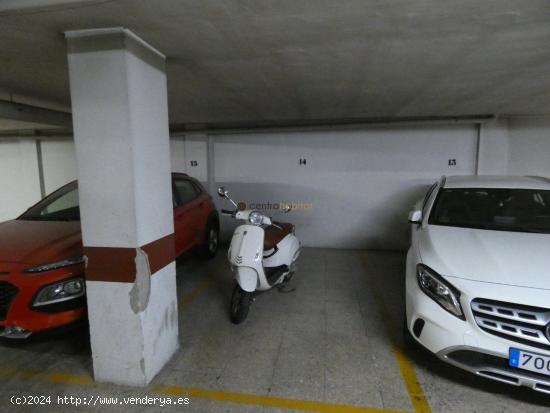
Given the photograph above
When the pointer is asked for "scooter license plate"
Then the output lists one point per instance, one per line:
(526, 360)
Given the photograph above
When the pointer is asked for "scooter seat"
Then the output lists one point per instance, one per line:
(274, 235)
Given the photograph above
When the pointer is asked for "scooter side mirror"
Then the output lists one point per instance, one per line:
(287, 208)
(224, 193)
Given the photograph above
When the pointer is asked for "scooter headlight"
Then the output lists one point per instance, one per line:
(255, 218)
(439, 290)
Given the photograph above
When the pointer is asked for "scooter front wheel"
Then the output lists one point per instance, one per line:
(240, 304)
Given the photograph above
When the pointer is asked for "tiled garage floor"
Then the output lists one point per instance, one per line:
(329, 346)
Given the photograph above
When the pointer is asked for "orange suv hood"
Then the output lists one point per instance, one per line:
(39, 242)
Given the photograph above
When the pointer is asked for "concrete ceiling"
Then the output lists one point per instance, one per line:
(275, 60)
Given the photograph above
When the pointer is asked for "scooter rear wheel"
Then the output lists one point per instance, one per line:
(240, 304)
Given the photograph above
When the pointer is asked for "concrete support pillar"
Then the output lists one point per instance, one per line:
(120, 120)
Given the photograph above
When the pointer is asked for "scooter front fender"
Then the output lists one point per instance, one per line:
(247, 246)
(247, 278)
(245, 255)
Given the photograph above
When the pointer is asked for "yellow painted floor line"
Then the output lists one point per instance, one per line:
(416, 394)
(193, 295)
(196, 393)
(57, 378)
(267, 401)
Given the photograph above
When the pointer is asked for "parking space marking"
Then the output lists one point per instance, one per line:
(197, 393)
(414, 388)
(268, 401)
(57, 378)
(416, 394)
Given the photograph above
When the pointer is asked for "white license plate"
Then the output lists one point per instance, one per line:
(529, 361)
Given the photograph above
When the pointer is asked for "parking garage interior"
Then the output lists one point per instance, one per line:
(346, 111)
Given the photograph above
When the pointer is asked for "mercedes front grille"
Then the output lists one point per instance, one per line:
(520, 323)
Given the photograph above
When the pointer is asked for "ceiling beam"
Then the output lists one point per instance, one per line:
(17, 6)
(296, 125)
(323, 124)
(28, 113)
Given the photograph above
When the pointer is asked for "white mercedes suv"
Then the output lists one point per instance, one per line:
(478, 276)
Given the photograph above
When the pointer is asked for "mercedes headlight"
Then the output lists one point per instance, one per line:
(60, 291)
(439, 290)
(255, 218)
(55, 265)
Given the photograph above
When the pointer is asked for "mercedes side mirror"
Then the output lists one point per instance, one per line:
(415, 217)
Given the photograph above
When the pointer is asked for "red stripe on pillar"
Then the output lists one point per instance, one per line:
(160, 252)
(118, 264)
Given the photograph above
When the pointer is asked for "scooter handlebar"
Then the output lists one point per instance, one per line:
(227, 212)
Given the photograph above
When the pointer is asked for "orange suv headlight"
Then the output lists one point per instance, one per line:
(55, 265)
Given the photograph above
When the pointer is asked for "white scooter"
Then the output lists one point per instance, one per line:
(262, 255)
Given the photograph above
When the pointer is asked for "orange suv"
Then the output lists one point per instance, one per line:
(42, 281)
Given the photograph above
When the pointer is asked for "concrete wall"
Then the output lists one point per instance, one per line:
(358, 184)
(19, 178)
(19, 169)
(189, 154)
(529, 151)
(59, 163)
(494, 151)
(355, 187)
(516, 146)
